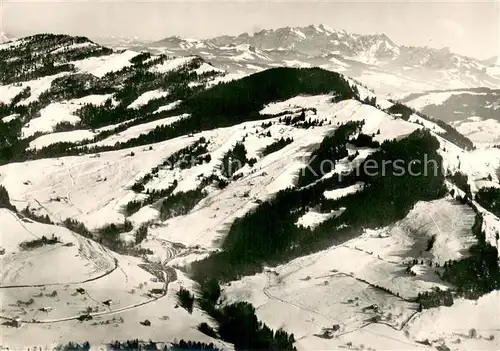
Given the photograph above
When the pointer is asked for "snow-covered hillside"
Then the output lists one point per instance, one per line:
(474, 112)
(46, 290)
(130, 181)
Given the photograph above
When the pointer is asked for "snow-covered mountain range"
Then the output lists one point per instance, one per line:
(375, 60)
(159, 198)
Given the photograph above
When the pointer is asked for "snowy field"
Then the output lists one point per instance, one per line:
(52, 138)
(91, 188)
(58, 112)
(50, 116)
(49, 287)
(37, 87)
(482, 132)
(298, 295)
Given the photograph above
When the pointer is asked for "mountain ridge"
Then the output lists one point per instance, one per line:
(365, 57)
(304, 34)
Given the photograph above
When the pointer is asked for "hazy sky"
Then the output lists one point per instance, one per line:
(469, 28)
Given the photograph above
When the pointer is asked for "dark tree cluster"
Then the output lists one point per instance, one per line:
(479, 273)
(38, 218)
(77, 227)
(207, 330)
(238, 101)
(370, 101)
(193, 345)
(386, 197)
(475, 275)
(5, 200)
(180, 203)
(364, 140)
(462, 182)
(109, 235)
(489, 198)
(277, 145)
(133, 345)
(153, 196)
(238, 324)
(138, 345)
(33, 244)
(332, 148)
(74, 346)
(434, 298)
(401, 110)
(451, 134)
(233, 160)
(185, 299)
(141, 233)
(301, 122)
